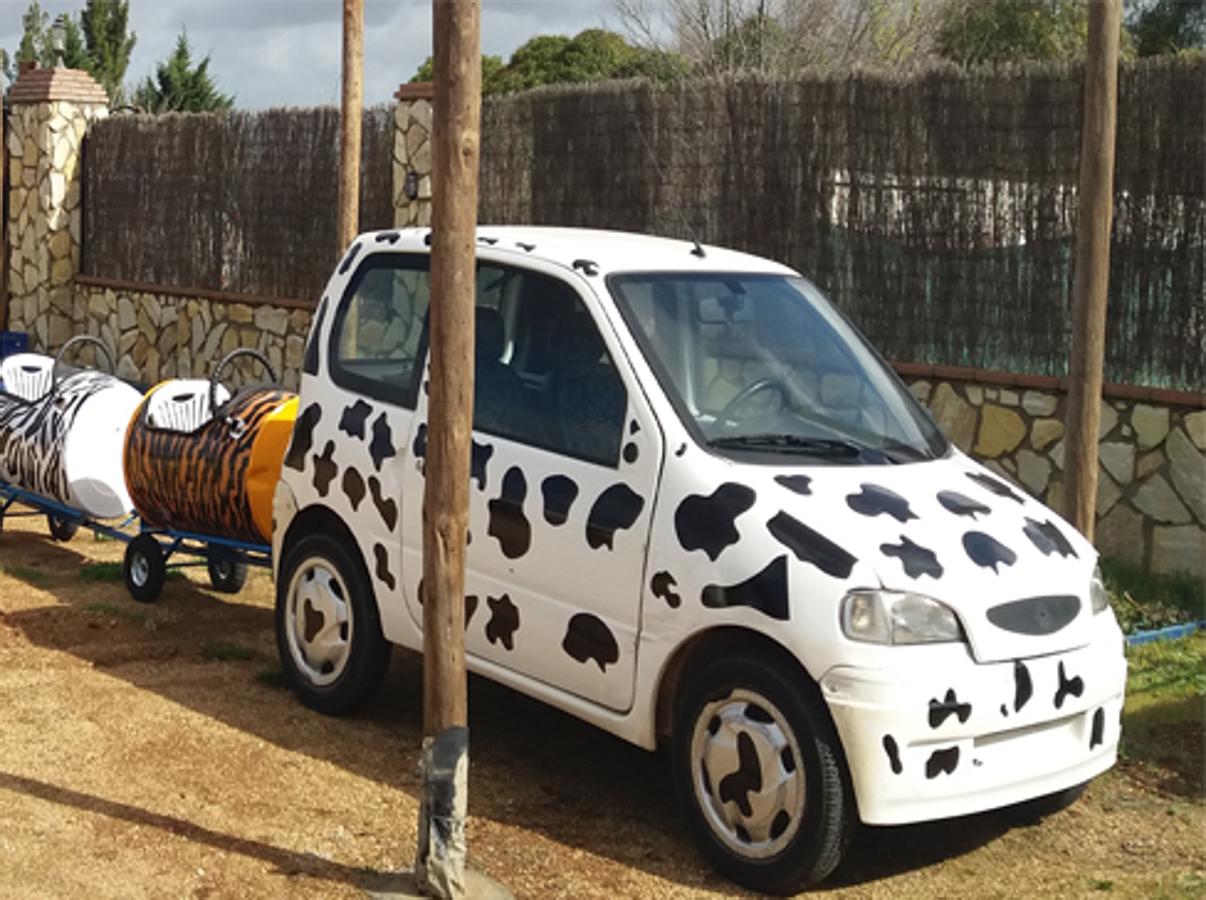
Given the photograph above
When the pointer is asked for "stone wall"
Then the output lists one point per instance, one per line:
(412, 156)
(158, 335)
(1151, 489)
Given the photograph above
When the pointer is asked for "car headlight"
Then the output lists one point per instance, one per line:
(1099, 597)
(897, 617)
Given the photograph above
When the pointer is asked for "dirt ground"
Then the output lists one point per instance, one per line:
(148, 751)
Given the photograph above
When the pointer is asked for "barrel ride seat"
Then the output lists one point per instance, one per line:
(28, 376)
(182, 405)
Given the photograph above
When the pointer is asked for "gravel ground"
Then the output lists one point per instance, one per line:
(147, 751)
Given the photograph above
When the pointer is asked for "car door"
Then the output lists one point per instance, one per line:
(565, 460)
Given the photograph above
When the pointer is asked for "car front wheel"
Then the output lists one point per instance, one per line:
(759, 770)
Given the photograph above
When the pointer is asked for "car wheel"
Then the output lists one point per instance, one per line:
(759, 770)
(144, 568)
(328, 632)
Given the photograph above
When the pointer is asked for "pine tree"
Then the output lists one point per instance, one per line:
(179, 86)
(105, 26)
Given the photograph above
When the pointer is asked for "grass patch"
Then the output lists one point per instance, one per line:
(1143, 600)
(101, 572)
(224, 651)
(1162, 724)
(27, 574)
(273, 678)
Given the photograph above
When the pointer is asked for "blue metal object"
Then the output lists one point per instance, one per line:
(1172, 632)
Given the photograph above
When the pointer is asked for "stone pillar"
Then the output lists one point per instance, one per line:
(412, 155)
(51, 111)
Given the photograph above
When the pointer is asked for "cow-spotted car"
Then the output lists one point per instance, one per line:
(703, 511)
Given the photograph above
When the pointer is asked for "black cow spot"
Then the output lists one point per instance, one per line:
(942, 761)
(324, 469)
(615, 509)
(349, 259)
(504, 621)
(766, 591)
(382, 447)
(507, 521)
(419, 446)
(386, 506)
(1098, 734)
(1023, 687)
(587, 637)
(949, 706)
(893, 752)
(811, 546)
(736, 786)
(708, 523)
(303, 437)
(682, 448)
(801, 484)
(631, 452)
(1004, 711)
(478, 460)
(873, 500)
(559, 494)
(1048, 538)
(1074, 686)
(917, 560)
(383, 572)
(352, 421)
(470, 608)
(987, 552)
(634, 426)
(962, 505)
(353, 487)
(391, 236)
(663, 585)
(998, 487)
(310, 363)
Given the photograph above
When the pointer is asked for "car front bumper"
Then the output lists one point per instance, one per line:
(938, 734)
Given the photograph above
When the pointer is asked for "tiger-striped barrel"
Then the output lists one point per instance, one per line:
(210, 475)
(64, 441)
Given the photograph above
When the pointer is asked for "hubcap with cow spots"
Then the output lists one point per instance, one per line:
(746, 773)
(318, 626)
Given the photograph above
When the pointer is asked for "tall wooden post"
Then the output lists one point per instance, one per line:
(440, 867)
(4, 262)
(351, 111)
(1089, 291)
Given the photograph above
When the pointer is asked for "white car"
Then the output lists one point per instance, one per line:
(703, 511)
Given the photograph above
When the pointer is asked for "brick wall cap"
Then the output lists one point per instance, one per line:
(418, 90)
(43, 85)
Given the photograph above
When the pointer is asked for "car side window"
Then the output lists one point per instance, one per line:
(377, 334)
(544, 376)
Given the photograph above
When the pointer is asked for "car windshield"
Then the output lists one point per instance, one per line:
(764, 364)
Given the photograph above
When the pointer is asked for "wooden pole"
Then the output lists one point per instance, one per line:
(455, 153)
(352, 105)
(1089, 291)
(4, 263)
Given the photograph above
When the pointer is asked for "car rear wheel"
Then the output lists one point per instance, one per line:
(328, 631)
(760, 772)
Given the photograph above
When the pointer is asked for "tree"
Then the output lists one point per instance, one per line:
(180, 86)
(1167, 26)
(105, 26)
(996, 31)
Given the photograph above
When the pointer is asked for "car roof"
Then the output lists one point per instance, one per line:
(608, 252)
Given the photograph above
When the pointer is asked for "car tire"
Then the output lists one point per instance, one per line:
(144, 568)
(328, 631)
(732, 714)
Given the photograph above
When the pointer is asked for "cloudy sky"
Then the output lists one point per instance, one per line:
(287, 52)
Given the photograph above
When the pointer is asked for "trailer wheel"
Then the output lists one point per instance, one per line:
(144, 569)
(61, 529)
(227, 573)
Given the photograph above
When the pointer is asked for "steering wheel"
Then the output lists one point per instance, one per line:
(752, 390)
(259, 357)
(78, 339)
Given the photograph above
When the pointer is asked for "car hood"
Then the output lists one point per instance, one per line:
(1015, 572)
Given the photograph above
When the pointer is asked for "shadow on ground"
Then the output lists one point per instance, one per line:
(532, 766)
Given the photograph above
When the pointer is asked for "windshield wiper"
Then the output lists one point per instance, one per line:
(828, 448)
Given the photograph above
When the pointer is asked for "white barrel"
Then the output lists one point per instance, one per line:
(64, 441)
